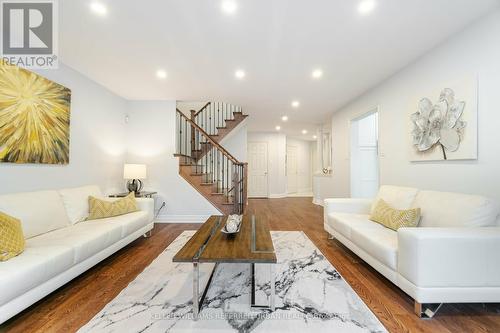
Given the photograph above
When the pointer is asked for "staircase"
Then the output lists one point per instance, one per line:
(204, 163)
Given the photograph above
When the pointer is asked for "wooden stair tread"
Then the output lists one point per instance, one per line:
(182, 155)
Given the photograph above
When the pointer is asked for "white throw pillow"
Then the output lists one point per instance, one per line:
(397, 197)
(76, 201)
(39, 212)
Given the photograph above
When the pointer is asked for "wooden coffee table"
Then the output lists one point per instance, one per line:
(252, 245)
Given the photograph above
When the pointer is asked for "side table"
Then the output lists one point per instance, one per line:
(142, 194)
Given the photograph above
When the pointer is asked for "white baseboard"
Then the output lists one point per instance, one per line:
(317, 202)
(278, 196)
(300, 195)
(169, 218)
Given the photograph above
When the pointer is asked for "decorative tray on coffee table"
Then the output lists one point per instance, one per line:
(238, 220)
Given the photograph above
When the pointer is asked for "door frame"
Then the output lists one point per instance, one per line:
(297, 169)
(373, 110)
(267, 167)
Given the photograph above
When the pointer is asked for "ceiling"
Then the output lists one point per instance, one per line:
(278, 43)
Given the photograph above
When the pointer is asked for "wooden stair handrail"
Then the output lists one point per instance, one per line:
(212, 141)
(201, 110)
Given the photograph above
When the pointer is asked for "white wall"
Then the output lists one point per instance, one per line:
(236, 142)
(475, 51)
(151, 140)
(304, 165)
(97, 145)
(276, 152)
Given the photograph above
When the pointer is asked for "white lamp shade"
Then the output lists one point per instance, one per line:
(134, 171)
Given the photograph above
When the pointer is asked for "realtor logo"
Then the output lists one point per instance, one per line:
(29, 33)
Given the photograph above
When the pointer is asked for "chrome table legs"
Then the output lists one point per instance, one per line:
(198, 301)
(196, 290)
(272, 293)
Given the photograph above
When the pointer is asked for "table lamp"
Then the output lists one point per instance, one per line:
(134, 173)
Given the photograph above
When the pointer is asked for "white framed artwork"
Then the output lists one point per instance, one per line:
(443, 123)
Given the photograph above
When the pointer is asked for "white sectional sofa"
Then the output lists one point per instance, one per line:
(60, 244)
(453, 256)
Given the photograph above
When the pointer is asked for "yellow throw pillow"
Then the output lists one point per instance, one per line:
(99, 209)
(394, 218)
(11, 237)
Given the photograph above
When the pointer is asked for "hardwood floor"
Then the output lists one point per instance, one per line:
(72, 305)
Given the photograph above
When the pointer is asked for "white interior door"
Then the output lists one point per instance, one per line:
(257, 170)
(364, 156)
(291, 168)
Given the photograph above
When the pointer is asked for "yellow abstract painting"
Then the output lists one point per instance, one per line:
(34, 118)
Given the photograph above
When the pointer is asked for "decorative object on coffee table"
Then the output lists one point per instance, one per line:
(134, 173)
(232, 225)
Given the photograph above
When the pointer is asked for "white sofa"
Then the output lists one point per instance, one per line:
(60, 244)
(453, 256)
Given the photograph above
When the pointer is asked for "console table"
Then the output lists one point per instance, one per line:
(142, 194)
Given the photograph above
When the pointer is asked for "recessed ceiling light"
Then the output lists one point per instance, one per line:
(317, 73)
(229, 6)
(99, 8)
(295, 104)
(284, 118)
(278, 128)
(366, 6)
(304, 131)
(161, 74)
(240, 74)
(315, 137)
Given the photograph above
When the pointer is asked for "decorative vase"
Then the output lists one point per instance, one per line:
(134, 185)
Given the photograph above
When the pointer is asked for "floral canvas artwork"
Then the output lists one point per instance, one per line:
(34, 118)
(444, 124)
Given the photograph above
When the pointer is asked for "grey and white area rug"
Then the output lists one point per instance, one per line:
(311, 296)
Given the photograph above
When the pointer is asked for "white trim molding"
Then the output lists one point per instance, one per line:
(278, 196)
(317, 201)
(301, 194)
